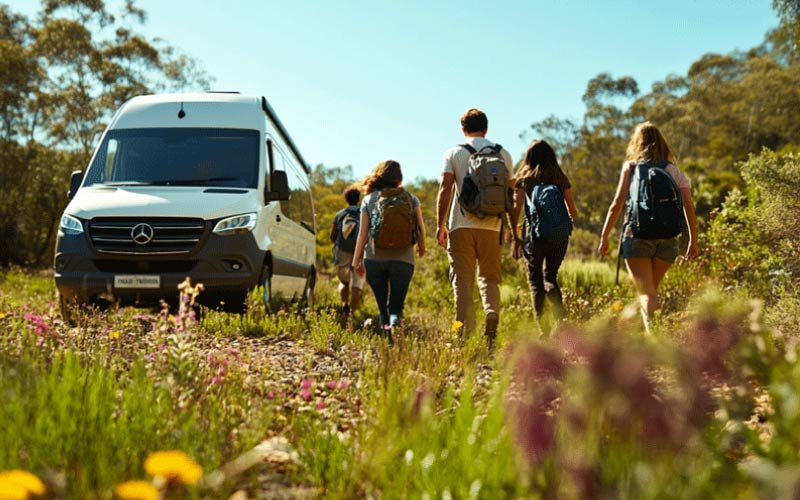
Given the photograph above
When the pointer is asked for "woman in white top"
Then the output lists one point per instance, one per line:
(647, 260)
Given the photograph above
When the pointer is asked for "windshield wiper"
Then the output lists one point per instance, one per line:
(192, 182)
(125, 183)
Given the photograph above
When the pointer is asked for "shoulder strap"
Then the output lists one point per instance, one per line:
(497, 148)
(469, 148)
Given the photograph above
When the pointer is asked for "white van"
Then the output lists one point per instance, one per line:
(207, 185)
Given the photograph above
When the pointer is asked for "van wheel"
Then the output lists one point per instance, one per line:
(67, 313)
(266, 284)
(308, 293)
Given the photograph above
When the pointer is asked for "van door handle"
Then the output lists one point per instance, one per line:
(278, 217)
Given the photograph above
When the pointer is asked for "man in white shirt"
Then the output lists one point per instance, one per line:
(471, 241)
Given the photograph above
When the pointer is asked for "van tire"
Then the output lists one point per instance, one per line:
(308, 292)
(265, 281)
(66, 314)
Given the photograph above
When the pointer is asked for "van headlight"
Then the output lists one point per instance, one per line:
(237, 224)
(71, 225)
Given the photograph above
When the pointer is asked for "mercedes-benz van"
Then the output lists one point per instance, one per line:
(206, 185)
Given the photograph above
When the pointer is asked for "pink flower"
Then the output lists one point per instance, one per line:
(320, 405)
(217, 380)
(270, 395)
(344, 384)
(305, 394)
(306, 384)
(330, 384)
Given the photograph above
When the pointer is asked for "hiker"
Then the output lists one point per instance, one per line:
(477, 199)
(391, 224)
(344, 233)
(546, 194)
(659, 201)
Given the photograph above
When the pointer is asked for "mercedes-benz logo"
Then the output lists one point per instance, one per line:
(142, 234)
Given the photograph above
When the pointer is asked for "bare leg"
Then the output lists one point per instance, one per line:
(344, 293)
(659, 270)
(641, 271)
(355, 299)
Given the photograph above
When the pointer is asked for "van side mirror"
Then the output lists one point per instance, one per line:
(74, 183)
(279, 185)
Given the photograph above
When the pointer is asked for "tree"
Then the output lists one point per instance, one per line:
(62, 75)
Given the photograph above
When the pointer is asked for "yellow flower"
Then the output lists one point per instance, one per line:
(113, 335)
(616, 306)
(136, 490)
(14, 483)
(456, 326)
(12, 491)
(301, 342)
(2, 315)
(173, 464)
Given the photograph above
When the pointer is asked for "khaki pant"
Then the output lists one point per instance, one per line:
(467, 248)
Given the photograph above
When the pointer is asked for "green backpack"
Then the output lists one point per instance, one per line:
(394, 221)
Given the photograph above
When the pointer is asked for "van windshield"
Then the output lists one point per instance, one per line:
(177, 157)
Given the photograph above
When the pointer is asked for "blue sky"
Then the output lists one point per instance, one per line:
(358, 82)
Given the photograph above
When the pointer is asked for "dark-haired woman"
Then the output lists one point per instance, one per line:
(544, 257)
(388, 270)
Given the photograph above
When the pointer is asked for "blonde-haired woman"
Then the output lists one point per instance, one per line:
(648, 259)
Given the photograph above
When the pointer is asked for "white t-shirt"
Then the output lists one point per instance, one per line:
(456, 162)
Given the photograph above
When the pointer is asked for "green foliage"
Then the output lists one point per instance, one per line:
(62, 75)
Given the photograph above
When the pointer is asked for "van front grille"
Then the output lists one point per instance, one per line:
(145, 235)
(145, 266)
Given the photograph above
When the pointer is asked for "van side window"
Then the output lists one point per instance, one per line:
(300, 203)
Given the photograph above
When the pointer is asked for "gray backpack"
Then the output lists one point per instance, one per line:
(485, 191)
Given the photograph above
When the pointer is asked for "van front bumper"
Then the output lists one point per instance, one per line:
(227, 266)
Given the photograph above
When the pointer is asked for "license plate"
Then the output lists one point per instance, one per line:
(136, 281)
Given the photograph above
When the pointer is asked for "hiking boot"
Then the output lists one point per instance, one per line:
(490, 330)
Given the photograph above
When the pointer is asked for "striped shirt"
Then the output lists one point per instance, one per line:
(456, 162)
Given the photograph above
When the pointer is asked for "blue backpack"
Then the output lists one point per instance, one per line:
(348, 229)
(655, 208)
(548, 218)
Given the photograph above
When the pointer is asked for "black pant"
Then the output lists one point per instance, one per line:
(547, 256)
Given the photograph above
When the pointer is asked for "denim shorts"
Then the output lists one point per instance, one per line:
(664, 249)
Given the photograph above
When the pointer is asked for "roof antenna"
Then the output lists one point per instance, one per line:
(181, 113)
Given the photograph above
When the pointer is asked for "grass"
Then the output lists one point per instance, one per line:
(554, 412)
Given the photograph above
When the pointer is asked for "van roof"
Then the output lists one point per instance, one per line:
(201, 109)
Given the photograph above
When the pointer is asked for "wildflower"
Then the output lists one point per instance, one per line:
(12, 491)
(173, 464)
(306, 384)
(113, 335)
(19, 484)
(320, 405)
(457, 326)
(331, 384)
(344, 384)
(616, 306)
(270, 395)
(40, 326)
(305, 394)
(136, 490)
(2, 315)
(301, 342)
